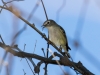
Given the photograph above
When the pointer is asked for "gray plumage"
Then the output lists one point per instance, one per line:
(57, 34)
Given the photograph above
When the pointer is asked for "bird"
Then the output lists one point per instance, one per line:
(57, 35)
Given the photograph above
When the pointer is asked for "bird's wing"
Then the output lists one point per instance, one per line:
(63, 32)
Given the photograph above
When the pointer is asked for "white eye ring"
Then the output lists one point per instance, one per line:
(48, 22)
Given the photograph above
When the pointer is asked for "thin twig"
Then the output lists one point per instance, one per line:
(4, 56)
(24, 72)
(43, 51)
(2, 39)
(44, 10)
(47, 53)
(29, 66)
(24, 47)
(35, 46)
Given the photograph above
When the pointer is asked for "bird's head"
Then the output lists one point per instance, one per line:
(49, 23)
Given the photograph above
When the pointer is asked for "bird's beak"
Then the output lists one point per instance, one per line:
(43, 26)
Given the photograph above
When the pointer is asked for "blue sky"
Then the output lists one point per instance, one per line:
(70, 18)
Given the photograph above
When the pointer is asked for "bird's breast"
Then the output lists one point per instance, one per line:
(57, 37)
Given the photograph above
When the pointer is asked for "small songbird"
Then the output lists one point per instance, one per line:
(57, 35)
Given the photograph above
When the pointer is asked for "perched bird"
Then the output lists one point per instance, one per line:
(57, 35)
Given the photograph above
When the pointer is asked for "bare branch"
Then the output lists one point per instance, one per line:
(63, 60)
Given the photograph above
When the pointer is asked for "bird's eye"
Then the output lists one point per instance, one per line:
(48, 22)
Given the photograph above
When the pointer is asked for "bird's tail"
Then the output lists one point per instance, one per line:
(68, 48)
